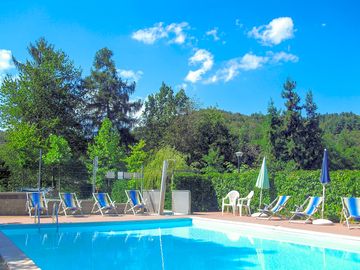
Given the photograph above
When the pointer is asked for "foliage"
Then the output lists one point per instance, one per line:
(298, 184)
(161, 109)
(213, 161)
(106, 148)
(108, 97)
(311, 136)
(45, 94)
(118, 190)
(58, 150)
(153, 168)
(135, 161)
(203, 196)
(22, 146)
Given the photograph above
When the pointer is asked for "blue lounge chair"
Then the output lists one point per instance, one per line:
(135, 202)
(351, 210)
(313, 205)
(36, 201)
(274, 207)
(69, 202)
(103, 203)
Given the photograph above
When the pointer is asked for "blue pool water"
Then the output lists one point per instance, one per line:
(172, 244)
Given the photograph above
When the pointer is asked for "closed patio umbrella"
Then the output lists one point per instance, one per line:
(262, 181)
(324, 180)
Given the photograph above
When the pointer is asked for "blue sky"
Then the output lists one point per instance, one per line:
(231, 54)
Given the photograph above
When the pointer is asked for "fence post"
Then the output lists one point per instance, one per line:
(95, 168)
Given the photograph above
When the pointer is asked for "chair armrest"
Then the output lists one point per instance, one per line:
(241, 201)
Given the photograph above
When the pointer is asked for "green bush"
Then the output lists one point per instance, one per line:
(207, 190)
(203, 195)
(119, 187)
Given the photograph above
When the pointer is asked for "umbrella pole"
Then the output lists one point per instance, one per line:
(260, 198)
(323, 203)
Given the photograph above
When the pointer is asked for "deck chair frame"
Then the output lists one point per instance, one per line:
(30, 205)
(65, 208)
(132, 207)
(346, 214)
(268, 210)
(301, 212)
(103, 209)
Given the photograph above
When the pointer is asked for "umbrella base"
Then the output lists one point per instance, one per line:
(322, 221)
(258, 214)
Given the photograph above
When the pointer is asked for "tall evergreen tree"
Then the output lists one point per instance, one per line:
(312, 134)
(161, 109)
(45, 94)
(108, 96)
(276, 135)
(293, 126)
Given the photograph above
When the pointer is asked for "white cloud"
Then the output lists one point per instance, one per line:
(238, 23)
(232, 67)
(213, 33)
(203, 57)
(175, 32)
(283, 57)
(178, 30)
(150, 35)
(5, 60)
(323, 24)
(248, 62)
(275, 32)
(130, 74)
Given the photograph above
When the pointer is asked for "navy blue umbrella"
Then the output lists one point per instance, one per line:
(324, 177)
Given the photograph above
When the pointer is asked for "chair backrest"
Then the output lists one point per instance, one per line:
(352, 205)
(36, 199)
(281, 202)
(233, 196)
(133, 194)
(249, 197)
(313, 205)
(69, 199)
(102, 198)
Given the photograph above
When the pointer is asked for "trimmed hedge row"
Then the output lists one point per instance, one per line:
(207, 190)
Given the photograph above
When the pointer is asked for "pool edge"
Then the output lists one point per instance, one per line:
(13, 257)
(16, 259)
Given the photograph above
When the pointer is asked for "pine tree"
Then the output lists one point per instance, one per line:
(108, 96)
(312, 135)
(161, 109)
(276, 136)
(45, 94)
(293, 126)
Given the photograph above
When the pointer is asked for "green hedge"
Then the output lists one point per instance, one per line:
(207, 190)
(119, 187)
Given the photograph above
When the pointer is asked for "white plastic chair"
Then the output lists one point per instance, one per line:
(231, 197)
(245, 203)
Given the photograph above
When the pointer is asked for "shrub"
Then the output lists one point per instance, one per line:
(207, 190)
(119, 187)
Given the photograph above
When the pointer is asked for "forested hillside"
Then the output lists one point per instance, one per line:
(73, 118)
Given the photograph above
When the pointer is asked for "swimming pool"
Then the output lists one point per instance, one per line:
(177, 244)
